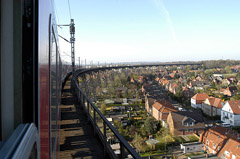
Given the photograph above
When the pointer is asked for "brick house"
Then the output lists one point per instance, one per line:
(149, 101)
(212, 106)
(185, 122)
(222, 142)
(173, 88)
(198, 99)
(163, 82)
(161, 108)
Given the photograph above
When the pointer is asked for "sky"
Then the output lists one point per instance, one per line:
(151, 30)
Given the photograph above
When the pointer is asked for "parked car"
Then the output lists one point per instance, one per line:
(225, 125)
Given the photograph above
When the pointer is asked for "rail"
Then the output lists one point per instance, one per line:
(103, 127)
(92, 68)
(99, 122)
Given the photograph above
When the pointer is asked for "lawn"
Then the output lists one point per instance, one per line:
(193, 138)
(145, 154)
(179, 139)
(194, 154)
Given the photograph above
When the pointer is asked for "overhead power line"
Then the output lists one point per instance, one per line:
(69, 8)
(55, 7)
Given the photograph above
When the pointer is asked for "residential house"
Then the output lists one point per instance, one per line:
(157, 79)
(198, 84)
(226, 82)
(186, 122)
(149, 101)
(187, 92)
(198, 99)
(132, 80)
(238, 83)
(167, 86)
(199, 78)
(230, 113)
(173, 88)
(232, 79)
(161, 108)
(217, 81)
(172, 75)
(167, 77)
(163, 82)
(229, 91)
(236, 68)
(212, 106)
(231, 150)
(222, 142)
(140, 79)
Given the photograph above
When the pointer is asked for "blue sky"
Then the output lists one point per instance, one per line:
(152, 30)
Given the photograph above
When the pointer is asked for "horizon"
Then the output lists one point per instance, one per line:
(154, 30)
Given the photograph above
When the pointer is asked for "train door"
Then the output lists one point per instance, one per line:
(19, 135)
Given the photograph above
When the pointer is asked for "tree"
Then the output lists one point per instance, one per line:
(132, 131)
(103, 108)
(179, 93)
(238, 76)
(138, 142)
(149, 126)
(228, 69)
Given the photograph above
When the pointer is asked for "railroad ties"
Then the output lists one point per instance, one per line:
(77, 138)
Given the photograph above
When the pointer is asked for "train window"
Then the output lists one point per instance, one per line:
(34, 152)
(54, 94)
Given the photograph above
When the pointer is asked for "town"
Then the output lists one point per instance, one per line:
(180, 112)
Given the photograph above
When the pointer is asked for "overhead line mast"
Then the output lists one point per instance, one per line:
(72, 41)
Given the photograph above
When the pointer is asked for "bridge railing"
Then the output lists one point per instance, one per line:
(107, 133)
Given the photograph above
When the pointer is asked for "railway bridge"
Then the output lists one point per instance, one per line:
(84, 140)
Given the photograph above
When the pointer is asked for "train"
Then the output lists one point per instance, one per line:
(32, 73)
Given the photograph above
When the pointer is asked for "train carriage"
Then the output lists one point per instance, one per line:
(32, 72)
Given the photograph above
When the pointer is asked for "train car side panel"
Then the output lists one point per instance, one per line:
(44, 59)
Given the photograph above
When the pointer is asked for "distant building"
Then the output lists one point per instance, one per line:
(198, 99)
(212, 106)
(173, 88)
(198, 84)
(187, 92)
(229, 91)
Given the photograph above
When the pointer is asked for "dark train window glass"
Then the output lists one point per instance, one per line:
(34, 152)
(54, 95)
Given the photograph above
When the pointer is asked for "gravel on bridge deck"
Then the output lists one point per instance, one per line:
(77, 139)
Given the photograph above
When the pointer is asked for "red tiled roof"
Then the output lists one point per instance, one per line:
(164, 106)
(200, 96)
(223, 138)
(215, 102)
(235, 106)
